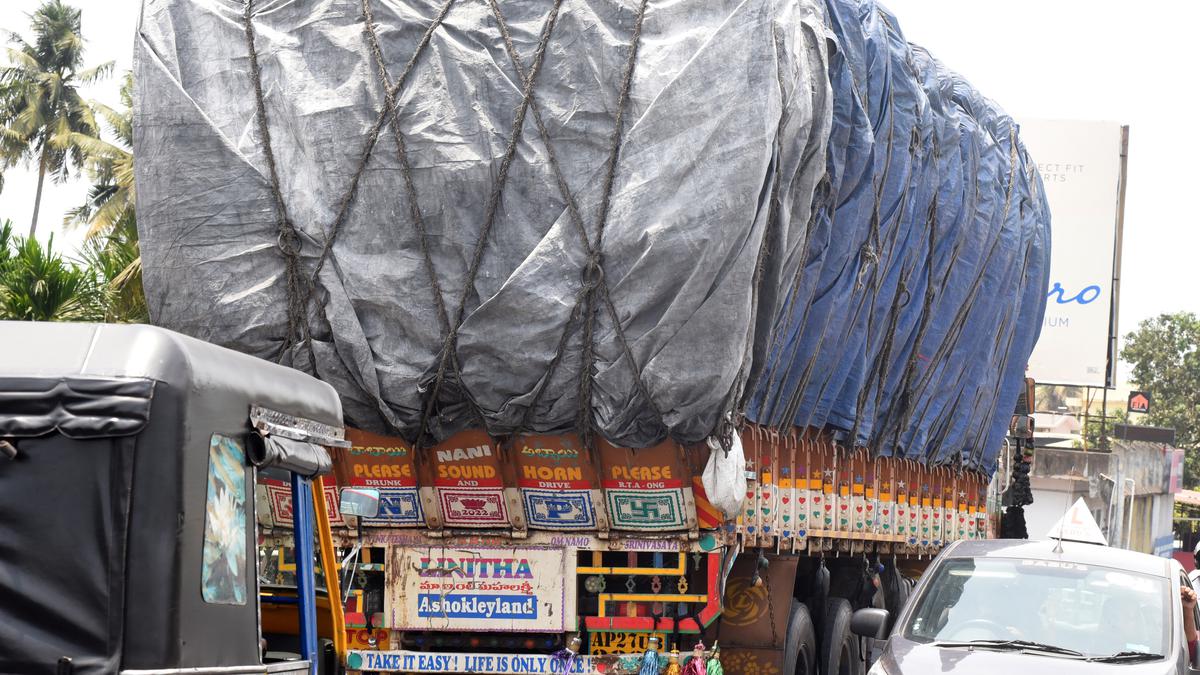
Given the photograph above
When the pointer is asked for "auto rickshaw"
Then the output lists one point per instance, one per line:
(128, 529)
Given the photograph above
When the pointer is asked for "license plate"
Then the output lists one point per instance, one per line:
(600, 644)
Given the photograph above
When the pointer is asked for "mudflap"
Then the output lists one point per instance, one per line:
(753, 625)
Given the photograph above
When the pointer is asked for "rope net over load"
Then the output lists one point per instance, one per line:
(627, 219)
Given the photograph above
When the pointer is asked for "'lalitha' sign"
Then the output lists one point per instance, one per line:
(509, 589)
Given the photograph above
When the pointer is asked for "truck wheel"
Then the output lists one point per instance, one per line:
(839, 647)
(800, 646)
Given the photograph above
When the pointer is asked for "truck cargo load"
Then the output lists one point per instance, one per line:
(635, 220)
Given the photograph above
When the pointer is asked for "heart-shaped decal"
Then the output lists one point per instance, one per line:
(766, 512)
(802, 499)
(787, 500)
(870, 507)
(816, 500)
(859, 509)
(829, 507)
(749, 495)
(787, 519)
(766, 495)
(885, 512)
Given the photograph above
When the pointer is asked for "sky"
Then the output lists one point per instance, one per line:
(1131, 63)
(108, 28)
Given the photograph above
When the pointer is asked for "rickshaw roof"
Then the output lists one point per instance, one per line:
(31, 351)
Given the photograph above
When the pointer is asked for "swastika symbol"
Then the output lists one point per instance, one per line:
(645, 509)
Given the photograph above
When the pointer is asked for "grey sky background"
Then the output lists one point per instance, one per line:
(1132, 63)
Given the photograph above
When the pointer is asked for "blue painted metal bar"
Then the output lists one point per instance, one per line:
(302, 519)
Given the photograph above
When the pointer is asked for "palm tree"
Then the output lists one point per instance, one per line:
(37, 284)
(110, 202)
(41, 110)
(6, 238)
(117, 264)
(109, 214)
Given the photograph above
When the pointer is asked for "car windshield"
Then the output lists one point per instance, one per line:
(1097, 611)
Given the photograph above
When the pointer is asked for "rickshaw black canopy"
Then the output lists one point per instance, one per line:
(103, 505)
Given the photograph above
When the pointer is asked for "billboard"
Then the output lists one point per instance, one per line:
(480, 589)
(1082, 164)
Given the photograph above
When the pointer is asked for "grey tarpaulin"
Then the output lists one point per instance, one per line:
(722, 147)
(810, 221)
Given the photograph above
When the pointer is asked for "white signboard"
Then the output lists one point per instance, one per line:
(481, 589)
(1081, 166)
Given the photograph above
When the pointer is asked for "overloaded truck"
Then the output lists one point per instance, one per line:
(653, 323)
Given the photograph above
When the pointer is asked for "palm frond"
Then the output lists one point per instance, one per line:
(22, 61)
(100, 72)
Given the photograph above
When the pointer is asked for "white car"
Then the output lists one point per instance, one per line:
(1032, 607)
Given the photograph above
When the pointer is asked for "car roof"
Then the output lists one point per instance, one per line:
(1075, 552)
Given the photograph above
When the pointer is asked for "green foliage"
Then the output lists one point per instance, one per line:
(38, 284)
(43, 117)
(1094, 424)
(115, 260)
(1165, 355)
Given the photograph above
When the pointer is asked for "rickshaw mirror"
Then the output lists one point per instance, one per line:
(361, 502)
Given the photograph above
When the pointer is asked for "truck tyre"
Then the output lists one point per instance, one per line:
(839, 647)
(800, 645)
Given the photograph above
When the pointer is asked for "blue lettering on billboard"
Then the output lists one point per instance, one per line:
(1084, 297)
(457, 606)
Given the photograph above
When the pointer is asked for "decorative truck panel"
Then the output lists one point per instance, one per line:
(649, 489)
(384, 463)
(557, 479)
(467, 481)
(805, 494)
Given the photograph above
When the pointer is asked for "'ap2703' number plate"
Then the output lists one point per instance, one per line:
(600, 644)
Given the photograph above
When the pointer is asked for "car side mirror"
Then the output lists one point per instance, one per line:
(870, 622)
(361, 502)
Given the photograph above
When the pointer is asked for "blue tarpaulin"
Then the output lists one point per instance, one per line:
(923, 290)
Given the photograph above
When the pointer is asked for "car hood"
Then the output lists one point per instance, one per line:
(903, 657)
